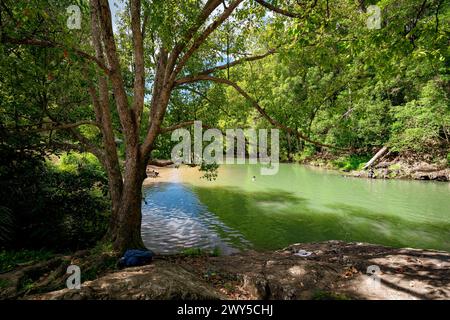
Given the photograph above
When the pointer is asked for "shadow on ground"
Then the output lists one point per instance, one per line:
(333, 270)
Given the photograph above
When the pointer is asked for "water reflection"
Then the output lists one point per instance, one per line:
(272, 220)
(174, 219)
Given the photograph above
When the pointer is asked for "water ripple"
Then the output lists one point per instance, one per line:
(173, 218)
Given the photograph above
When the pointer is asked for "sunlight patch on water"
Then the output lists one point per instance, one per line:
(173, 219)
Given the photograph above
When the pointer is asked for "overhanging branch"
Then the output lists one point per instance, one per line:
(50, 44)
(237, 62)
(256, 105)
(54, 126)
(283, 12)
(181, 125)
(204, 35)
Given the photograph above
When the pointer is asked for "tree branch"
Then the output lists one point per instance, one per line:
(176, 126)
(256, 105)
(208, 8)
(165, 80)
(50, 44)
(55, 126)
(204, 96)
(182, 125)
(103, 113)
(282, 11)
(412, 24)
(139, 74)
(202, 37)
(204, 126)
(67, 146)
(237, 62)
(126, 115)
(92, 148)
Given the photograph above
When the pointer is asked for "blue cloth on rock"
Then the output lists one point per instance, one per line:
(135, 257)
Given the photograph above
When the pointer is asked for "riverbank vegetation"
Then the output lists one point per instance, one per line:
(352, 88)
(55, 203)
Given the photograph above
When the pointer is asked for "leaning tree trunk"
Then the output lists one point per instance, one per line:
(375, 157)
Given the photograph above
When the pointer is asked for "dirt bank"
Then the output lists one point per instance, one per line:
(391, 167)
(403, 170)
(406, 166)
(327, 270)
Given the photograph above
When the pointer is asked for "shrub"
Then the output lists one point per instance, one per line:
(418, 123)
(353, 162)
(59, 206)
(304, 154)
(210, 170)
(9, 259)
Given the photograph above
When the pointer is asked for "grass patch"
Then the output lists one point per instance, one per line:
(4, 283)
(350, 163)
(395, 166)
(325, 295)
(102, 247)
(199, 252)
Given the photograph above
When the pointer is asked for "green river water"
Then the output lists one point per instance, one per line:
(298, 204)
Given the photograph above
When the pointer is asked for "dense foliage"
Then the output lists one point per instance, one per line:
(349, 86)
(59, 206)
(336, 80)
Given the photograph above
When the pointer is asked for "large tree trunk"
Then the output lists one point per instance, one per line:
(115, 184)
(125, 227)
(127, 232)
